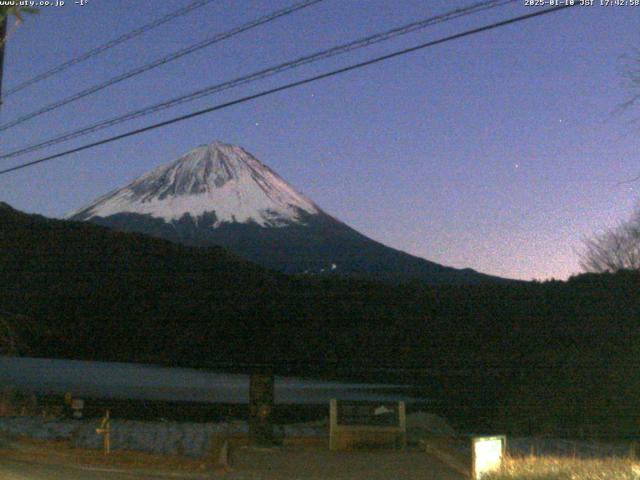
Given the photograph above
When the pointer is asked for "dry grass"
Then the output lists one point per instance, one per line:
(563, 468)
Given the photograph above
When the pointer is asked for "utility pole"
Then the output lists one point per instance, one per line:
(3, 34)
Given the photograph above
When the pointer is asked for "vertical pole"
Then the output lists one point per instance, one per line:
(261, 387)
(333, 424)
(402, 417)
(3, 34)
(107, 433)
(107, 442)
(105, 429)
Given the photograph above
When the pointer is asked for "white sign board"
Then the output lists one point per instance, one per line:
(487, 454)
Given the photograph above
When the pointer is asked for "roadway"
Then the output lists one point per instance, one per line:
(20, 470)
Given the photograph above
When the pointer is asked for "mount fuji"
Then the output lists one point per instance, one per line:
(220, 194)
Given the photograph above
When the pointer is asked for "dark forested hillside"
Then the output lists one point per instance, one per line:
(529, 356)
(103, 294)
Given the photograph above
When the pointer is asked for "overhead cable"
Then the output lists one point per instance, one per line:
(261, 74)
(160, 61)
(291, 85)
(106, 46)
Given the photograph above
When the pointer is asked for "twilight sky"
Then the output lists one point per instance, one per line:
(498, 152)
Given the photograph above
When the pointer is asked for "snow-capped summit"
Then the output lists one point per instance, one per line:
(216, 179)
(220, 195)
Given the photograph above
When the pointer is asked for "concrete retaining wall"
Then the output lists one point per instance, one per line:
(165, 438)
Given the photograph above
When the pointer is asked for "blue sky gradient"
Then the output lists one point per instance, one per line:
(499, 152)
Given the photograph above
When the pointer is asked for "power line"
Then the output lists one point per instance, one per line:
(161, 61)
(291, 85)
(261, 74)
(110, 44)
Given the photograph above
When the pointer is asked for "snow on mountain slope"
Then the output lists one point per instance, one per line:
(217, 178)
(220, 195)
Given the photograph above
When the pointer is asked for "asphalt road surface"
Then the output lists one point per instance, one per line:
(11, 469)
(19, 470)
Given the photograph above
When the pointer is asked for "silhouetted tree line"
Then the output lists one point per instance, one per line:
(520, 357)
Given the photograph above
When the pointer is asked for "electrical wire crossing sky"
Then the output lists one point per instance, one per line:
(106, 46)
(255, 96)
(273, 70)
(497, 151)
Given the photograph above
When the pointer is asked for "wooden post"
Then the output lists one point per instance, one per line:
(402, 417)
(261, 388)
(333, 423)
(105, 429)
